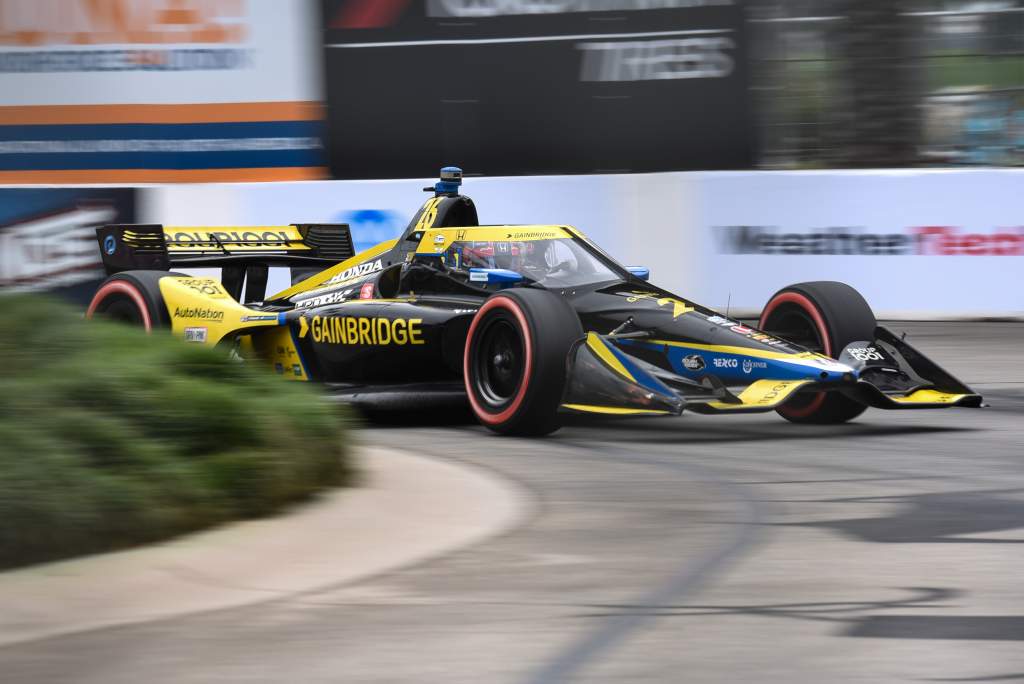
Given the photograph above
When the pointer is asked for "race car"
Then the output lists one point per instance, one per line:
(528, 322)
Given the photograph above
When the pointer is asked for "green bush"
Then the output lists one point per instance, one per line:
(110, 437)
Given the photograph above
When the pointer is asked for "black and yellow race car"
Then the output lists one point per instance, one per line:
(527, 321)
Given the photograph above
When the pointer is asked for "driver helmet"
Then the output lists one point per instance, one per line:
(507, 255)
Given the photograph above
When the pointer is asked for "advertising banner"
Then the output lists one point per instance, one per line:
(48, 237)
(519, 87)
(126, 91)
(923, 244)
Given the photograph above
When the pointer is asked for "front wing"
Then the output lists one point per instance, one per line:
(887, 373)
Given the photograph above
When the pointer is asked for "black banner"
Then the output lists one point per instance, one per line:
(511, 87)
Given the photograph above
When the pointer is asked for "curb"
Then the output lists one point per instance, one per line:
(409, 509)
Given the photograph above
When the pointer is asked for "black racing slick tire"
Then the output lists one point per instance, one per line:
(132, 297)
(824, 316)
(515, 362)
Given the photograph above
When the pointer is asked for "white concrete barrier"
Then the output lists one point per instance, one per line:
(917, 244)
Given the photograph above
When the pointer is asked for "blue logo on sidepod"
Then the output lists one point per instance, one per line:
(109, 244)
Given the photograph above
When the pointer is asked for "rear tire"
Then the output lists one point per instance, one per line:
(516, 360)
(824, 316)
(132, 297)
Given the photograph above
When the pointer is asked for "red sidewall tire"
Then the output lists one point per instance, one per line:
(545, 329)
(839, 316)
(112, 288)
(482, 413)
(137, 292)
(814, 402)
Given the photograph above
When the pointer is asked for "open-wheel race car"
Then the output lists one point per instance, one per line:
(528, 321)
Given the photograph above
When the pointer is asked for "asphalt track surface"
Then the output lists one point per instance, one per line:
(698, 549)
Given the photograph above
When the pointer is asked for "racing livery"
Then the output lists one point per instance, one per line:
(528, 322)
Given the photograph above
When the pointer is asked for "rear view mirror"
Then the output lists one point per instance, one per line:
(641, 272)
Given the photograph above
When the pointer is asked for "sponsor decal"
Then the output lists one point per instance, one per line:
(329, 298)
(262, 317)
(721, 320)
(366, 291)
(351, 330)
(749, 365)
(694, 362)
(232, 238)
(726, 363)
(357, 271)
(773, 393)
(196, 334)
(854, 241)
(478, 276)
(279, 368)
(742, 330)
(209, 287)
(296, 370)
(199, 313)
(866, 354)
(110, 244)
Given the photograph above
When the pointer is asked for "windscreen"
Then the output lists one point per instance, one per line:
(554, 263)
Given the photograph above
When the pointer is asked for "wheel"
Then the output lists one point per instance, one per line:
(132, 297)
(825, 317)
(516, 360)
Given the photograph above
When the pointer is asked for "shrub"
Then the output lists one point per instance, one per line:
(110, 437)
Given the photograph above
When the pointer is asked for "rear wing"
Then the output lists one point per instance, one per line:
(245, 253)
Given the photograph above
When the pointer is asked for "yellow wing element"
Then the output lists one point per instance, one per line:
(598, 346)
(928, 396)
(439, 239)
(762, 395)
(232, 238)
(615, 410)
(202, 311)
(361, 264)
(678, 307)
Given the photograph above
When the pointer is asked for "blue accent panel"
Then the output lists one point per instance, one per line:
(643, 378)
(641, 272)
(738, 366)
(495, 276)
(298, 350)
(199, 131)
(281, 319)
(162, 160)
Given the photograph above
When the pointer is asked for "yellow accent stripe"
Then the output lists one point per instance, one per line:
(762, 394)
(323, 276)
(801, 357)
(430, 243)
(928, 396)
(597, 345)
(615, 410)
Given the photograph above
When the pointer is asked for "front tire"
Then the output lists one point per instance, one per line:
(515, 362)
(824, 316)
